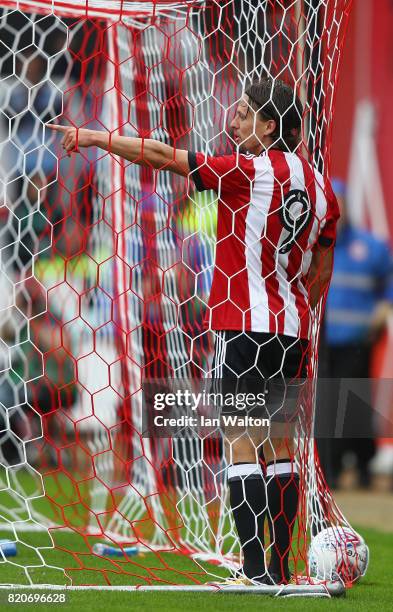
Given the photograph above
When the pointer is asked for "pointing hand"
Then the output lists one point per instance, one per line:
(73, 138)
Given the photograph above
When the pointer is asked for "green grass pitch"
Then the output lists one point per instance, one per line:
(374, 592)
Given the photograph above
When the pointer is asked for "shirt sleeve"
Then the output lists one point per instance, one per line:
(221, 173)
(327, 235)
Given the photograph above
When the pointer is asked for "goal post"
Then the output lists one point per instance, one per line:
(106, 269)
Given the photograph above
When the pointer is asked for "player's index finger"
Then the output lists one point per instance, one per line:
(57, 128)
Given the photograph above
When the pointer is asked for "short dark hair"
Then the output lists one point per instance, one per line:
(274, 99)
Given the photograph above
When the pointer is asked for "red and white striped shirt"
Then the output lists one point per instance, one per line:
(272, 210)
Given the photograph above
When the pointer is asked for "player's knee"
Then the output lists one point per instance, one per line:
(241, 449)
(277, 449)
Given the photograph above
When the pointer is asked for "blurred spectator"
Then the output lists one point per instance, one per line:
(359, 302)
(197, 227)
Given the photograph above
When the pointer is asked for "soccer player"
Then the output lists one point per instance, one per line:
(275, 235)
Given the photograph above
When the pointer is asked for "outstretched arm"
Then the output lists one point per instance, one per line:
(142, 151)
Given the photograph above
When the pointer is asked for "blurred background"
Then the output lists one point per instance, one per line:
(358, 339)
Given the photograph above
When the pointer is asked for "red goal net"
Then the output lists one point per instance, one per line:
(106, 270)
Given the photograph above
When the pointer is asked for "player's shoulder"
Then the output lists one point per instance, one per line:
(283, 160)
(243, 162)
(265, 161)
(324, 186)
(234, 158)
(222, 162)
(245, 159)
(234, 168)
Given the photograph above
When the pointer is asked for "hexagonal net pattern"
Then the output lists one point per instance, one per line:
(107, 276)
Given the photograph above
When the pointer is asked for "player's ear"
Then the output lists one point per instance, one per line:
(270, 127)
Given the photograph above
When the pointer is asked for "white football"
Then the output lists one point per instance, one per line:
(338, 553)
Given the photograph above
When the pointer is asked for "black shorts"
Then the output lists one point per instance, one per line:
(254, 363)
